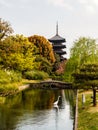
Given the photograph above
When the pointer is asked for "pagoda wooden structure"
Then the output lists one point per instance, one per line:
(58, 46)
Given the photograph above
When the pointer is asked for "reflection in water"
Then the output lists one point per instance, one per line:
(34, 110)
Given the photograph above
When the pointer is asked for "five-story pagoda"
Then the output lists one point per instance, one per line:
(57, 44)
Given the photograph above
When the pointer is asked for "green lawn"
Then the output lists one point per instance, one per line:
(87, 114)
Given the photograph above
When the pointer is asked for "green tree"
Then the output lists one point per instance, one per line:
(83, 50)
(43, 64)
(57, 62)
(17, 53)
(5, 29)
(87, 77)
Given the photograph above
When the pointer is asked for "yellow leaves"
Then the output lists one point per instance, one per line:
(17, 53)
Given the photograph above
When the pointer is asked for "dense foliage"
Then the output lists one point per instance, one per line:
(7, 78)
(44, 47)
(25, 55)
(87, 77)
(43, 64)
(17, 53)
(34, 75)
(84, 50)
(82, 67)
(45, 58)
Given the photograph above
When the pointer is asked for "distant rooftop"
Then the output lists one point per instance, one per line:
(57, 38)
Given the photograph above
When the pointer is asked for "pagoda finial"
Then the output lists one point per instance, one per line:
(57, 28)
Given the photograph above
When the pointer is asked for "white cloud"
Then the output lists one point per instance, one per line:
(91, 2)
(89, 5)
(4, 3)
(90, 9)
(61, 3)
(15, 3)
(83, 1)
(95, 2)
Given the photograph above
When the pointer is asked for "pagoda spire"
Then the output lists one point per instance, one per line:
(57, 28)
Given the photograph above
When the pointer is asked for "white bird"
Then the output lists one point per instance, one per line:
(56, 102)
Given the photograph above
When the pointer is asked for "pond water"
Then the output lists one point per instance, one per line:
(34, 110)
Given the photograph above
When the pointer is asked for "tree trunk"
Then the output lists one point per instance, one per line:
(94, 97)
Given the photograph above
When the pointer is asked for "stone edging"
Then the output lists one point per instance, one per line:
(75, 126)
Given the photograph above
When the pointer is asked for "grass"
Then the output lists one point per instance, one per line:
(36, 75)
(10, 88)
(11, 80)
(88, 115)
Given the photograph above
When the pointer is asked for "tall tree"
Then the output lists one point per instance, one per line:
(5, 29)
(17, 53)
(83, 50)
(87, 77)
(44, 47)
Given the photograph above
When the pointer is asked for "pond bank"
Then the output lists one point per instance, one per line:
(13, 88)
(23, 87)
(87, 114)
(75, 125)
(14, 91)
(35, 84)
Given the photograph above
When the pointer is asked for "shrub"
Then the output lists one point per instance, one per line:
(15, 76)
(4, 78)
(7, 76)
(36, 75)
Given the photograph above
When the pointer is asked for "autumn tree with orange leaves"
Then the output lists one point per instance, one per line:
(44, 47)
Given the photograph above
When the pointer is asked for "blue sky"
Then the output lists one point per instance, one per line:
(76, 18)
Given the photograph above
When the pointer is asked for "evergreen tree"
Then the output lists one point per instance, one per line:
(87, 78)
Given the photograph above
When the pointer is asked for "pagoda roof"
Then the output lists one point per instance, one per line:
(57, 38)
(59, 46)
(60, 52)
(63, 58)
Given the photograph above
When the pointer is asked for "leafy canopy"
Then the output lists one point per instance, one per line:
(84, 50)
(17, 53)
(44, 47)
(86, 76)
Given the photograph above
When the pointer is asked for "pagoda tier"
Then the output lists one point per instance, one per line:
(60, 52)
(57, 39)
(57, 44)
(63, 58)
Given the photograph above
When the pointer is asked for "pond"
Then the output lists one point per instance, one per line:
(35, 110)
